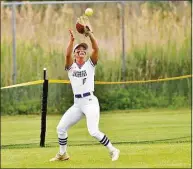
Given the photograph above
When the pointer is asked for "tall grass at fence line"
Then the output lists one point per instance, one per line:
(158, 43)
(169, 94)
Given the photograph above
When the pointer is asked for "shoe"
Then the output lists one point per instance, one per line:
(59, 157)
(115, 154)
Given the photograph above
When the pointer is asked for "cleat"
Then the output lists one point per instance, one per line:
(115, 154)
(59, 157)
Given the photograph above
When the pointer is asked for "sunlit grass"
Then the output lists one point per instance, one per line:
(154, 138)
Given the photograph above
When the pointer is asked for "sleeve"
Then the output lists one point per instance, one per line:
(91, 63)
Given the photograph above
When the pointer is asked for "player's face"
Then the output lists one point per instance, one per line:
(80, 52)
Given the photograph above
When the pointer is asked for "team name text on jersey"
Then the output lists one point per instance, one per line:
(79, 73)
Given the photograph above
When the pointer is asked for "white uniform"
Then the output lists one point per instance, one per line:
(85, 103)
(82, 79)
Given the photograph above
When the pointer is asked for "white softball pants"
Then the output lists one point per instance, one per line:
(88, 106)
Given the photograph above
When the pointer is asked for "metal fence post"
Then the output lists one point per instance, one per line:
(44, 109)
(123, 40)
(14, 73)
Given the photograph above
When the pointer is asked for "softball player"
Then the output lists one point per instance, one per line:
(81, 74)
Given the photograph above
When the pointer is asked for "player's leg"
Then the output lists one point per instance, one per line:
(70, 117)
(92, 113)
(92, 118)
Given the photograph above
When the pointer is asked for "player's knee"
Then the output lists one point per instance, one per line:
(94, 133)
(60, 130)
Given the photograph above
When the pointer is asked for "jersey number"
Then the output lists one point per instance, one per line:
(84, 80)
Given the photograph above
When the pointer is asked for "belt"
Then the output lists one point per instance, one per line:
(84, 95)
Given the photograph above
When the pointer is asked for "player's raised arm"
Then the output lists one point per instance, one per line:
(68, 57)
(95, 49)
(83, 26)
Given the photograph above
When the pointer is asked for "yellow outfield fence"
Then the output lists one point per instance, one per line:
(24, 84)
(97, 82)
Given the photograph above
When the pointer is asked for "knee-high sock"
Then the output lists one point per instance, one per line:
(62, 140)
(63, 145)
(106, 142)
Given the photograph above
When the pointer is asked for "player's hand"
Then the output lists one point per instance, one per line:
(71, 35)
(83, 25)
(87, 31)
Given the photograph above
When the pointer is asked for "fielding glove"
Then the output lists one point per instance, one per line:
(83, 25)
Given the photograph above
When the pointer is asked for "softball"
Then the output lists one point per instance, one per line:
(88, 12)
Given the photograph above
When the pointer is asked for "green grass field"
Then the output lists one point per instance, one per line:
(147, 139)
